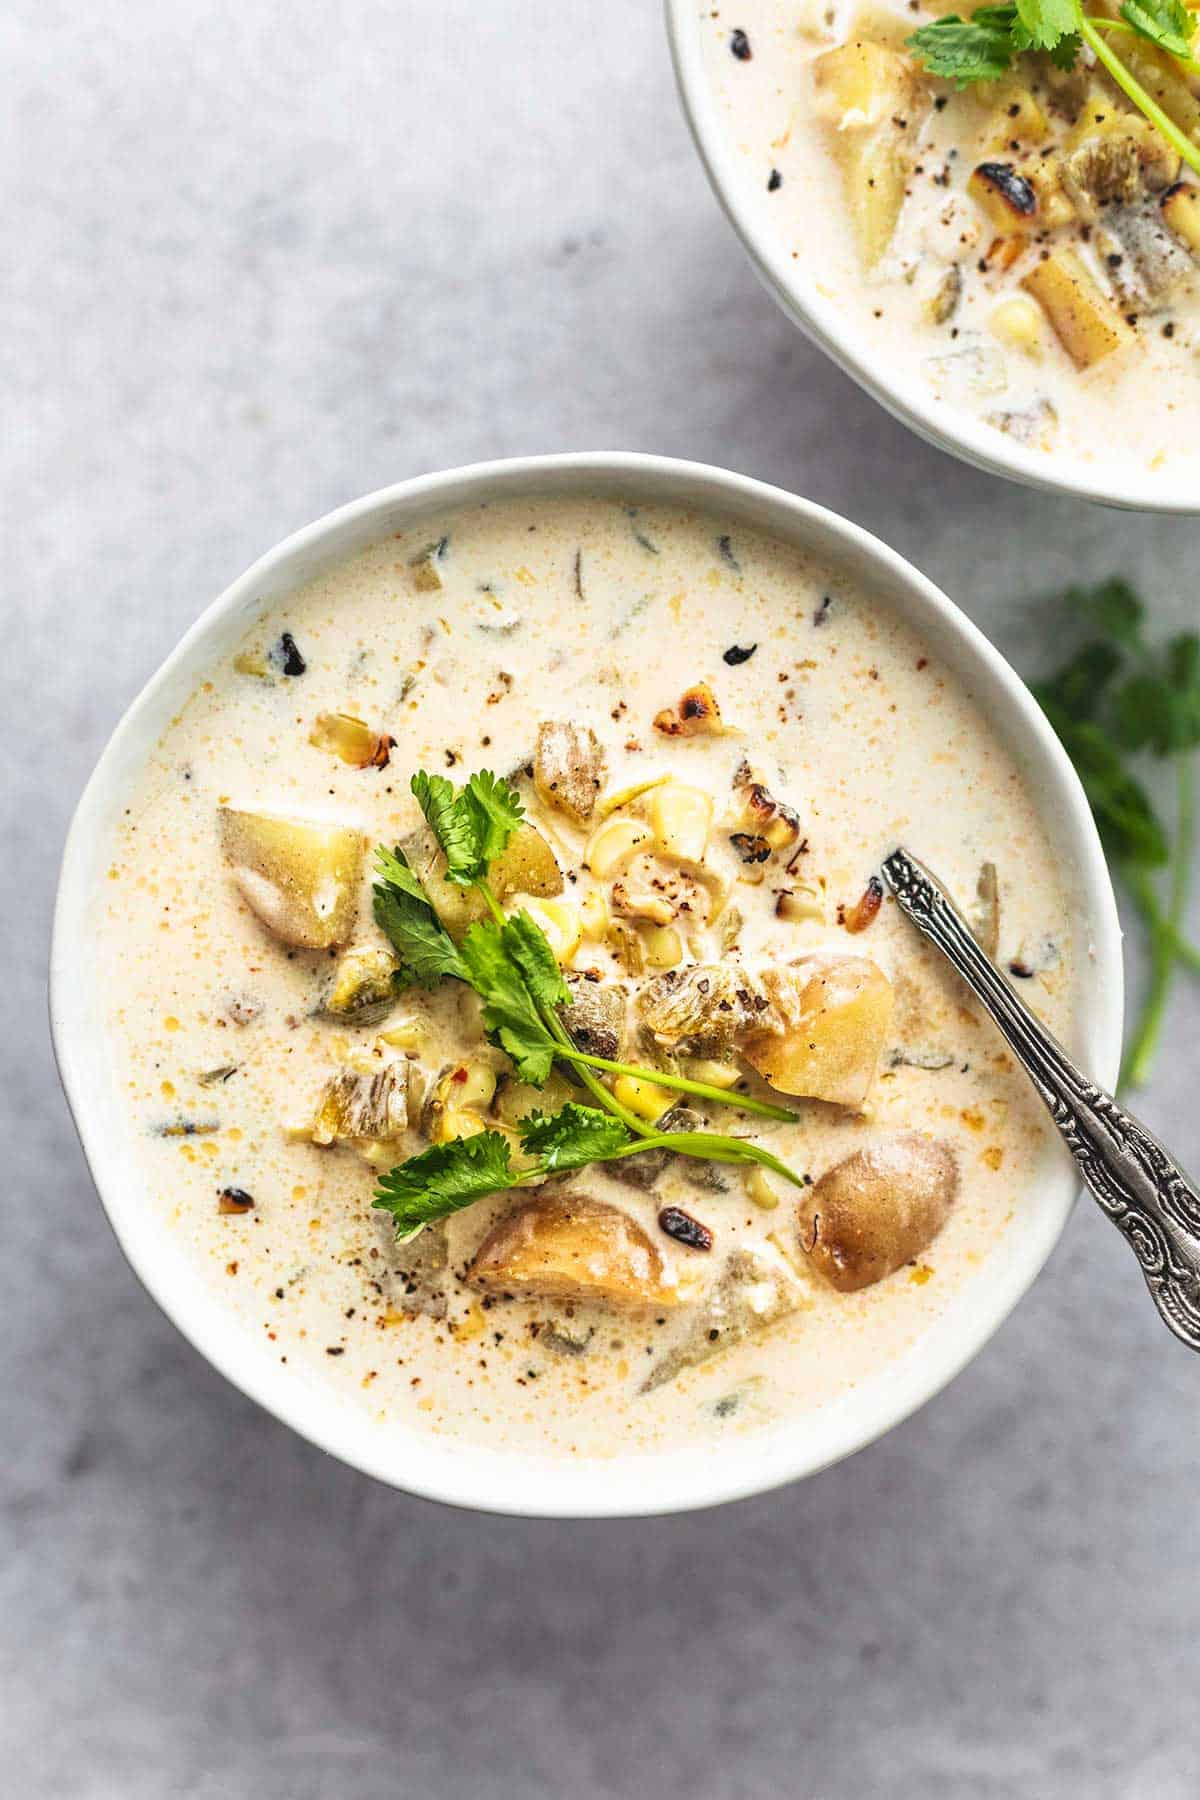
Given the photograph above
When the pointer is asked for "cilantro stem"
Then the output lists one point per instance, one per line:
(1125, 29)
(682, 1085)
(1141, 892)
(1129, 85)
(1138, 1059)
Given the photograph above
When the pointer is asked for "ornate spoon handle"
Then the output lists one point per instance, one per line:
(1147, 1197)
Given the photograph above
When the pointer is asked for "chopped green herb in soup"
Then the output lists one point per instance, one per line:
(512, 1020)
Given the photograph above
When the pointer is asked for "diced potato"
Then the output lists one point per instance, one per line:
(877, 1209)
(826, 1023)
(363, 988)
(1087, 324)
(572, 1248)
(680, 818)
(302, 879)
(515, 1100)
(873, 97)
(593, 915)
(614, 844)
(568, 768)
(752, 1292)
(861, 84)
(527, 866)
(1181, 210)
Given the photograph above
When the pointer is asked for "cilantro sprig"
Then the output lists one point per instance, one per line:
(447, 1177)
(509, 964)
(985, 45)
(1116, 699)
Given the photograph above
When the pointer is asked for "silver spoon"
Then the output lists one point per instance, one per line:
(1148, 1198)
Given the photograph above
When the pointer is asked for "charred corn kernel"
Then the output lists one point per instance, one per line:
(708, 1070)
(799, 903)
(645, 1098)
(1020, 323)
(593, 914)
(662, 946)
(456, 1122)
(614, 844)
(409, 1034)
(760, 1191)
(1181, 210)
(680, 818)
(609, 803)
(560, 925)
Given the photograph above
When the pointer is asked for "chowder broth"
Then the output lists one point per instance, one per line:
(450, 646)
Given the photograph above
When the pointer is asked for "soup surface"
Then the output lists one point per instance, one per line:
(1023, 250)
(715, 741)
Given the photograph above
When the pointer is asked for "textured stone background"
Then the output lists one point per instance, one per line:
(261, 259)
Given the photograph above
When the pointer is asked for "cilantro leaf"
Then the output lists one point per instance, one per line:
(980, 48)
(451, 825)
(1112, 606)
(510, 1017)
(495, 811)
(1167, 23)
(443, 1179)
(571, 1137)
(527, 945)
(1044, 24)
(1126, 820)
(1080, 684)
(427, 952)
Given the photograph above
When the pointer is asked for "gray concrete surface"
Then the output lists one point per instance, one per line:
(260, 259)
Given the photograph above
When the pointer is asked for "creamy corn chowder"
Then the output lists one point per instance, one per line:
(1023, 249)
(694, 734)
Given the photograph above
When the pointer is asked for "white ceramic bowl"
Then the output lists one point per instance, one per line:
(499, 1481)
(905, 397)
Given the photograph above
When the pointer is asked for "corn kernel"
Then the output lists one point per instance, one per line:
(1018, 322)
(456, 1122)
(760, 1191)
(711, 1072)
(680, 818)
(645, 1098)
(663, 947)
(614, 844)
(560, 925)
(593, 914)
(409, 1034)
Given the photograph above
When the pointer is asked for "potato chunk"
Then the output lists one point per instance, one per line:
(752, 1292)
(1181, 210)
(301, 878)
(878, 1209)
(1088, 325)
(874, 99)
(568, 768)
(825, 1025)
(569, 1247)
(527, 866)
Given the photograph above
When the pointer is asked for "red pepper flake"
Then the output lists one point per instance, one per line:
(863, 912)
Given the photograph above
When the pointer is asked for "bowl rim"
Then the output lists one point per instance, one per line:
(517, 1483)
(903, 397)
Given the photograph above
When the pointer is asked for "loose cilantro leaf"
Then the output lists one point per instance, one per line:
(573, 1136)
(510, 1017)
(443, 1179)
(451, 825)
(1120, 697)
(427, 953)
(980, 48)
(528, 947)
(1167, 23)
